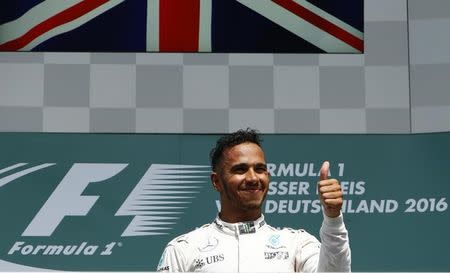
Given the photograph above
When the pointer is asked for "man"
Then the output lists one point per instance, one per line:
(239, 240)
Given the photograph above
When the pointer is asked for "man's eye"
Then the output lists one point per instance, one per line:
(261, 169)
(240, 170)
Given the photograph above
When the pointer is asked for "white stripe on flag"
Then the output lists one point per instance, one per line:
(298, 26)
(36, 15)
(204, 41)
(152, 25)
(338, 22)
(72, 25)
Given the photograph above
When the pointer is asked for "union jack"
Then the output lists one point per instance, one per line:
(296, 26)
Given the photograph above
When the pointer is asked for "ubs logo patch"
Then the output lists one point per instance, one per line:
(200, 263)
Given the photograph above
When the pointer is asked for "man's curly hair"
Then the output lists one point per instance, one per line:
(231, 140)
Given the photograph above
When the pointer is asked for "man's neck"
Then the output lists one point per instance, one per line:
(236, 217)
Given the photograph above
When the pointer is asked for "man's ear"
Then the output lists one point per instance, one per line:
(216, 182)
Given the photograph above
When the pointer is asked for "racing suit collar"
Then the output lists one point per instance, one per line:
(240, 228)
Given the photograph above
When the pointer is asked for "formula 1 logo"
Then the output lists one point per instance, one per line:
(94, 216)
(153, 203)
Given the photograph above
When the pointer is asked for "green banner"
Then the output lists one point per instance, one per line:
(111, 202)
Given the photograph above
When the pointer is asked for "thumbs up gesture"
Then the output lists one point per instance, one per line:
(330, 192)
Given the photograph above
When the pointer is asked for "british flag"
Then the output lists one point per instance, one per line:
(228, 26)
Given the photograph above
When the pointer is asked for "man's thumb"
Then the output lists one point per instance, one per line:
(324, 170)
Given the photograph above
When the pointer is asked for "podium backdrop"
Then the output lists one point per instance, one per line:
(111, 202)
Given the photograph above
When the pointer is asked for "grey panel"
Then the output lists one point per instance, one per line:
(430, 41)
(385, 10)
(296, 59)
(66, 119)
(342, 87)
(387, 86)
(21, 84)
(105, 120)
(251, 59)
(205, 87)
(342, 121)
(159, 58)
(430, 85)
(297, 121)
(386, 43)
(431, 119)
(113, 86)
(388, 120)
(67, 58)
(113, 58)
(21, 57)
(66, 85)
(159, 86)
(205, 59)
(205, 121)
(20, 119)
(296, 87)
(341, 60)
(159, 120)
(420, 9)
(251, 87)
(262, 119)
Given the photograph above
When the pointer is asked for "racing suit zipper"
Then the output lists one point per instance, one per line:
(238, 251)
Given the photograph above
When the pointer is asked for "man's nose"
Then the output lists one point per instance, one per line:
(251, 176)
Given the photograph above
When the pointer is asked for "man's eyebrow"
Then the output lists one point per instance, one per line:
(245, 165)
(238, 166)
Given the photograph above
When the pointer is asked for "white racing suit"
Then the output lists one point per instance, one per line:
(258, 247)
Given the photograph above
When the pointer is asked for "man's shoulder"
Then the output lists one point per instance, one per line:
(191, 236)
(289, 231)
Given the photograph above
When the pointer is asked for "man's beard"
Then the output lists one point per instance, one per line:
(247, 206)
(254, 204)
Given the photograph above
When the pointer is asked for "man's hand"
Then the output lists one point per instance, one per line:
(330, 192)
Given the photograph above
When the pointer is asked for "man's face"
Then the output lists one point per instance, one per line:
(242, 178)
